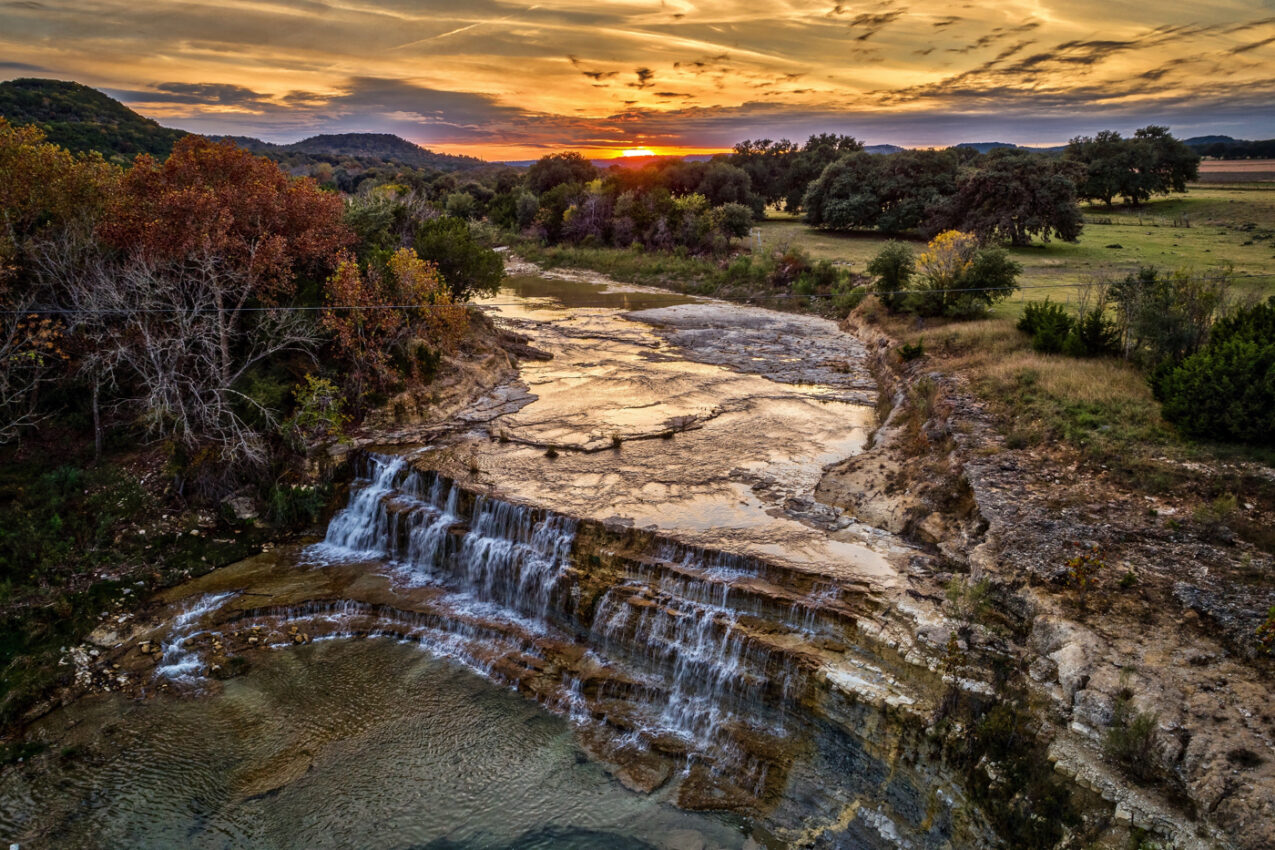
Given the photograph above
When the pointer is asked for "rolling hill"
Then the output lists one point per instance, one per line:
(82, 119)
(380, 147)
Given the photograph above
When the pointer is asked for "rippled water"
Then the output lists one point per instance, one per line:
(341, 744)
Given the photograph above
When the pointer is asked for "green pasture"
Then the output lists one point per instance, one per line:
(1211, 225)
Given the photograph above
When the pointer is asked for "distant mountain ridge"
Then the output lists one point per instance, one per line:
(368, 146)
(80, 119)
(83, 119)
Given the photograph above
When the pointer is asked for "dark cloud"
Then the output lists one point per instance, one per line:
(207, 93)
(873, 23)
(996, 34)
(22, 67)
(1245, 48)
(644, 78)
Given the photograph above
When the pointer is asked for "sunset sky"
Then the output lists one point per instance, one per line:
(512, 81)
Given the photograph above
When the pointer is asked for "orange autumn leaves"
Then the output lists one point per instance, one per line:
(212, 202)
(176, 288)
(377, 316)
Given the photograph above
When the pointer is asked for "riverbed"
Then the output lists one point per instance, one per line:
(603, 598)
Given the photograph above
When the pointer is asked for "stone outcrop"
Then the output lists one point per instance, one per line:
(1161, 632)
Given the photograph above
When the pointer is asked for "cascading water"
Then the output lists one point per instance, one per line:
(177, 662)
(673, 657)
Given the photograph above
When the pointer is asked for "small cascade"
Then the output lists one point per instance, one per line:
(178, 661)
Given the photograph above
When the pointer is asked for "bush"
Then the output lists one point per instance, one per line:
(1165, 318)
(909, 351)
(960, 279)
(1047, 324)
(1130, 741)
(892, 267)
(295, 506)
(1226, 391)
(846, 296)
(467, 266)
(1093, 335)
(1054, 331)
(1266, 632)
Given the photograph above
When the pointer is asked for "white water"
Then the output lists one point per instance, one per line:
(178, 663)
(676, 625)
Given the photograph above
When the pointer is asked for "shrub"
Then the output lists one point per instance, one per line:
(912, 351)
(962, 280)
(1054, 331)
(468, 267)
(1093, 335)
(892, 267)
(1130, 741)
(1226, 391)
(319, 414)
(1167, 317)
(846, 296)
(293, 506)
(1266, 632)
(1047, 324)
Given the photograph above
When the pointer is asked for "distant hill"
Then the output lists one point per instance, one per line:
(383, 147)
(1209, 140)
(884, 149)
(81, 119)
(984, 147)
(625, 161)
(1225, 147)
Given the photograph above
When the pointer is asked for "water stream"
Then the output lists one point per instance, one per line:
(614, 562)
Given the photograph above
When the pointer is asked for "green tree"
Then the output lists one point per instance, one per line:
(461, 205)
(1016, 195)
(844, 195)
(892, 267)
(559, 168)
(1107, 162)
(1151, 163)
(468, 267)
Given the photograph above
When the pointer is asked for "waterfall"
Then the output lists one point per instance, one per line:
(688, 645)
(178, 662)
(509, 555)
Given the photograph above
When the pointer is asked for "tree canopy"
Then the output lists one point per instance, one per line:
(1151, 163)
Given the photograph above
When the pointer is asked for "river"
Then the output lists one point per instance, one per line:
(602, 610)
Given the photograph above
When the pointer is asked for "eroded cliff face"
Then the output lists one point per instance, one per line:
(1141, 677)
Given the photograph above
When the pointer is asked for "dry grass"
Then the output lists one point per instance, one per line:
(1103, 407)
(1089, 382)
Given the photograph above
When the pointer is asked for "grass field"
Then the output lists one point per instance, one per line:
(1102, 407)
(1227, 223)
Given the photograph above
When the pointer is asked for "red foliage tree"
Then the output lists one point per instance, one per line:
(213, 201)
